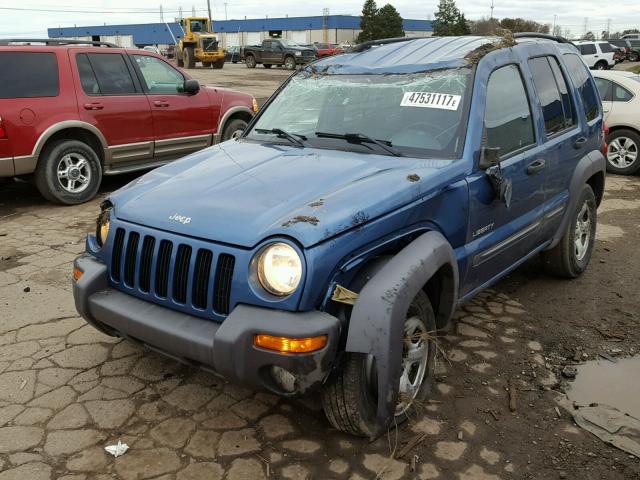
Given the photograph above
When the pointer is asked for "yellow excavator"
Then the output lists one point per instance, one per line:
(198, 44)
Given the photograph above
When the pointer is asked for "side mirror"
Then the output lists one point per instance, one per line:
(489, 156)
(191, 87)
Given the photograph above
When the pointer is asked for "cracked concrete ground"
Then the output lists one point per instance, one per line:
(66, 390)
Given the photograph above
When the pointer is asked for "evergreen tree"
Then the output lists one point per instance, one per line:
(389, 22)
(368, 22)
(449, 21)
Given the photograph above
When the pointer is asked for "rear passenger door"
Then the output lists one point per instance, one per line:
(110, 98)
(501, 235)
(563, 140)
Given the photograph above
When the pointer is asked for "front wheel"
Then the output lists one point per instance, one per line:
(350, 400)
(233, 129)
(68, 172)
(189, 57)
(571, 256)
(623, 155)
(290, 63)
(250, 61)
(219, 65)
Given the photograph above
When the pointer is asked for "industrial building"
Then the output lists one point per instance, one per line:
(303, 30)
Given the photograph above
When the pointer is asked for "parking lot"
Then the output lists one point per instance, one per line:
(67, 391)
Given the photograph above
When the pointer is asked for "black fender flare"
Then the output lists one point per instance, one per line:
(592, 163)
(378, 316)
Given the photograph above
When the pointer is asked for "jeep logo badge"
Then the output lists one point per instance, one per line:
(180, 218)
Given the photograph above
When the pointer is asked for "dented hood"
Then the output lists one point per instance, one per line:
(241, 193)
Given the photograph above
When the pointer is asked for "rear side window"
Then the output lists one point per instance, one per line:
(587, 49)
(28, 75)
(552, 92)
(583, 82)
(605, 47)
(111, 73)
(88, 78)
(620, 94)
(507, 119)
(604, 88)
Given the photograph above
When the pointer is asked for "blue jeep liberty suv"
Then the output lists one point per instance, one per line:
(375, 192)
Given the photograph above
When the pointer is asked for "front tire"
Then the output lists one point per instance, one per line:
(234, 129)
(571, 256)
(623, 152)
(290, 63)
(349, 399)
(68, 172)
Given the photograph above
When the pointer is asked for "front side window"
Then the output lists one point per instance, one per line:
(420, 115)
(112, 73)
(159, 77)
(553, 95)
(582, 80)
(507, 119)
(28, 75)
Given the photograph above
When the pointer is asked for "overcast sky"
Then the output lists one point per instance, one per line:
(571, 14)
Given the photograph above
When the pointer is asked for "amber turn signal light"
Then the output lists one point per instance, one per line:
(290, 345)
(77, 274)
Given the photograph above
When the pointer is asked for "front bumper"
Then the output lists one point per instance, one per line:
(226, 348)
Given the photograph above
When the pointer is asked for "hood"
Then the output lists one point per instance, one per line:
(241, 193)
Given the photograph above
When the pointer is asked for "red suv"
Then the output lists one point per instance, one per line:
(70, 113)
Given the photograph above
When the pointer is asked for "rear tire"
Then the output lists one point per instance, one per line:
(180, 62)
(348, 399)
(250, 61)
(189, 57)
(601, 65)
(634, 56)
(233, 129)
(571, 256)
(207, 64)
(623, 152)
(68, 172)
(219, 65)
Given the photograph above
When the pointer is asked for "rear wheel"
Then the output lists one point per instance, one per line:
(207, 64)
(180, 62)
(350, 399)
(571, 256)
(290, 63)
(233, 129)
(634, 56)
(219, 65)
(250, 61)
(68, 172)
(601, 65)
(623, 155)
(189, 57)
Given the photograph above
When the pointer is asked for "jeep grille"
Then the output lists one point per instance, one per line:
(160, 269)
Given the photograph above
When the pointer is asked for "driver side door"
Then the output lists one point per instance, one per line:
(502, 233)
(182, 123)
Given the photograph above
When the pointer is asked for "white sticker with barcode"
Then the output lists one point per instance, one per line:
(444, 101)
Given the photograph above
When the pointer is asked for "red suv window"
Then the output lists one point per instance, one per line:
(28, 75)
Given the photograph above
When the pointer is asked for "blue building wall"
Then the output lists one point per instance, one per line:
(158, 33)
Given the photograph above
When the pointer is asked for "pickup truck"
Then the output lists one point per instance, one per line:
(277, 52)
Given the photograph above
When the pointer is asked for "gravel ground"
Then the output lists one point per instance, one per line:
(66, 390)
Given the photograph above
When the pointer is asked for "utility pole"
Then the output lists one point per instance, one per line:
(608, 27)
(584, 30)
(553, 32)
(193, 10)
(491, 17)
(161, 14)
(226, 17)
(209, 10)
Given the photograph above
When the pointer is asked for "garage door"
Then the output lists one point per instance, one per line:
(299, 36)
(233, 40)
(253, 38)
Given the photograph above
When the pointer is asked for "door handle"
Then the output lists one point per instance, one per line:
(535, 167)
(93, 106)
(159, 103)
(579, 143)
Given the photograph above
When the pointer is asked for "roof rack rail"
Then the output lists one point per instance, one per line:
(56, 41)
(543, 36)
(361, 47)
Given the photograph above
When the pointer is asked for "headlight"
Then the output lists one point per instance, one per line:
(102, 226)
(298, 54)
(279, 269)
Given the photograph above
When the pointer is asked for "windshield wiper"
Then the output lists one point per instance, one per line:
(292, 137)
(386, 145)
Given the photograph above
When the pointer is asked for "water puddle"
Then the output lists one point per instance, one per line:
(605, 382)
(604, 399)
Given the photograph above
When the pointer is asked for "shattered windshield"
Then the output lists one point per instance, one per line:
(420, 115)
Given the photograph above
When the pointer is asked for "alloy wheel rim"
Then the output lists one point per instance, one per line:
(74, 173)
(236, 134)
(415, 356)
(583, 232)
(622, 152)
